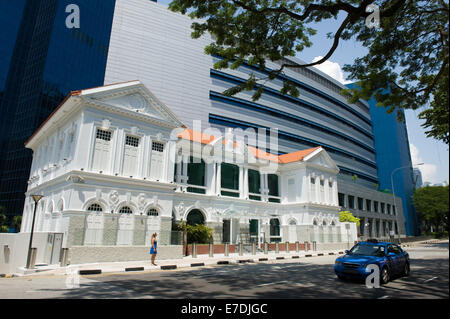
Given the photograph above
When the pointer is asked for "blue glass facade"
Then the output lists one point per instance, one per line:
(47, 60)
(394, 161)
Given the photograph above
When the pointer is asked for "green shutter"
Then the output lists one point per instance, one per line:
(196, 176)
(254, 184)
(230, 176)
(196, 173)
(273, 185)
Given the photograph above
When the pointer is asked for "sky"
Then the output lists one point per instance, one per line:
(433, 154)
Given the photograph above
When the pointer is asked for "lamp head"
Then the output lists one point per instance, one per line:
(37, 198)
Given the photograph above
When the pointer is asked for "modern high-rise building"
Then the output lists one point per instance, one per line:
(123, 40)
(43, 61)
(417, 177)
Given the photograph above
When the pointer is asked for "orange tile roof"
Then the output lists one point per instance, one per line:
(296, 156)
(202, 138)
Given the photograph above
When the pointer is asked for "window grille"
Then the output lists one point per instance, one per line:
(157, 146)
(103, 135)
(125, 210)
(152, 212)
(132, 141)
(95, 208)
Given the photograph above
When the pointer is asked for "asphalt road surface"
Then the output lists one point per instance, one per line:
(305, 278)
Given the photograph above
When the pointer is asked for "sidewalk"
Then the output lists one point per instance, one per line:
(170, 264)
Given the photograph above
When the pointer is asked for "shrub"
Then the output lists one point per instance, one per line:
(199, 233)
(348, 217)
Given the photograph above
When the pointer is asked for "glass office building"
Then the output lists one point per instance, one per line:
(43, 61)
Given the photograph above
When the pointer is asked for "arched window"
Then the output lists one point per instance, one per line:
(195, 217)
(292, 222)
(125, 210)
(152, 212)
(95, 208)
(315, 222)
(324, 223)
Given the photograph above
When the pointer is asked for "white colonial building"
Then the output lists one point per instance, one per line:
(114, 165)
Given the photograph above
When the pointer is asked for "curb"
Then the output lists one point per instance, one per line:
(169, 267)
(134, 269)
(197, 264)
(89, 272)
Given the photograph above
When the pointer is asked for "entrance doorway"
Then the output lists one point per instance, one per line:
(226, 232)
(253, 230)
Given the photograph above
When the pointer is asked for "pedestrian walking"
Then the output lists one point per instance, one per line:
(153, 248)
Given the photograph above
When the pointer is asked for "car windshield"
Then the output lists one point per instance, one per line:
(368, 250)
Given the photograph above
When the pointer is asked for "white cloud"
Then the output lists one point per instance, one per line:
(428, 170)
(332, 69)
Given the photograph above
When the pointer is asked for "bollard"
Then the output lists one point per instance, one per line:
(266, 248)
(287, 247)
(227, 249)
(297, 247)
(211, 249)
(194, 250)
(314, 244)
(241, 251)
(306, 246)
(64, 257)
(32, 259)
(253, 248)
(277, 248)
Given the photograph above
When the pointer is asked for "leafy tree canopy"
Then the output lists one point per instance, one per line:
(406, 67)
(431, 204)
(346, 216)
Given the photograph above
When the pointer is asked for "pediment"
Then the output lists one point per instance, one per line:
(137, 103)
(134, 98)
(321, 158)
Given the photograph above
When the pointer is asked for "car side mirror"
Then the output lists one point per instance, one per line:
(391, 254)
(346, 251)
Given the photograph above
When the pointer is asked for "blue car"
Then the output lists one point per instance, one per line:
(391, 259)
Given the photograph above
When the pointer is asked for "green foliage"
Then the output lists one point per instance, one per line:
(406, 66)
(346, 216)
(432, 205)
(199, 233)
(16, 222)
(3, 227)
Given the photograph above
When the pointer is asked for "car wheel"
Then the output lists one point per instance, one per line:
(384, 276)
(406, 270)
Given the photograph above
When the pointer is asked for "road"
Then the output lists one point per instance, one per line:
(305, 278)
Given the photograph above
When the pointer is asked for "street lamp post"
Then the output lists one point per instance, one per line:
(393, 192)
(36, 199)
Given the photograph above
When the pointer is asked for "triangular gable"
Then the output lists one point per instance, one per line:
(320, 157)
(133, 97)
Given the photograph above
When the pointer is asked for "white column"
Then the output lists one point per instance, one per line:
(179, 167)
(117, 151)
(185, 170)
(317, 188)
(245, 185)
(169, 161)
(210, 178)
(218, 177)
(241, 182)
(335, 193)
